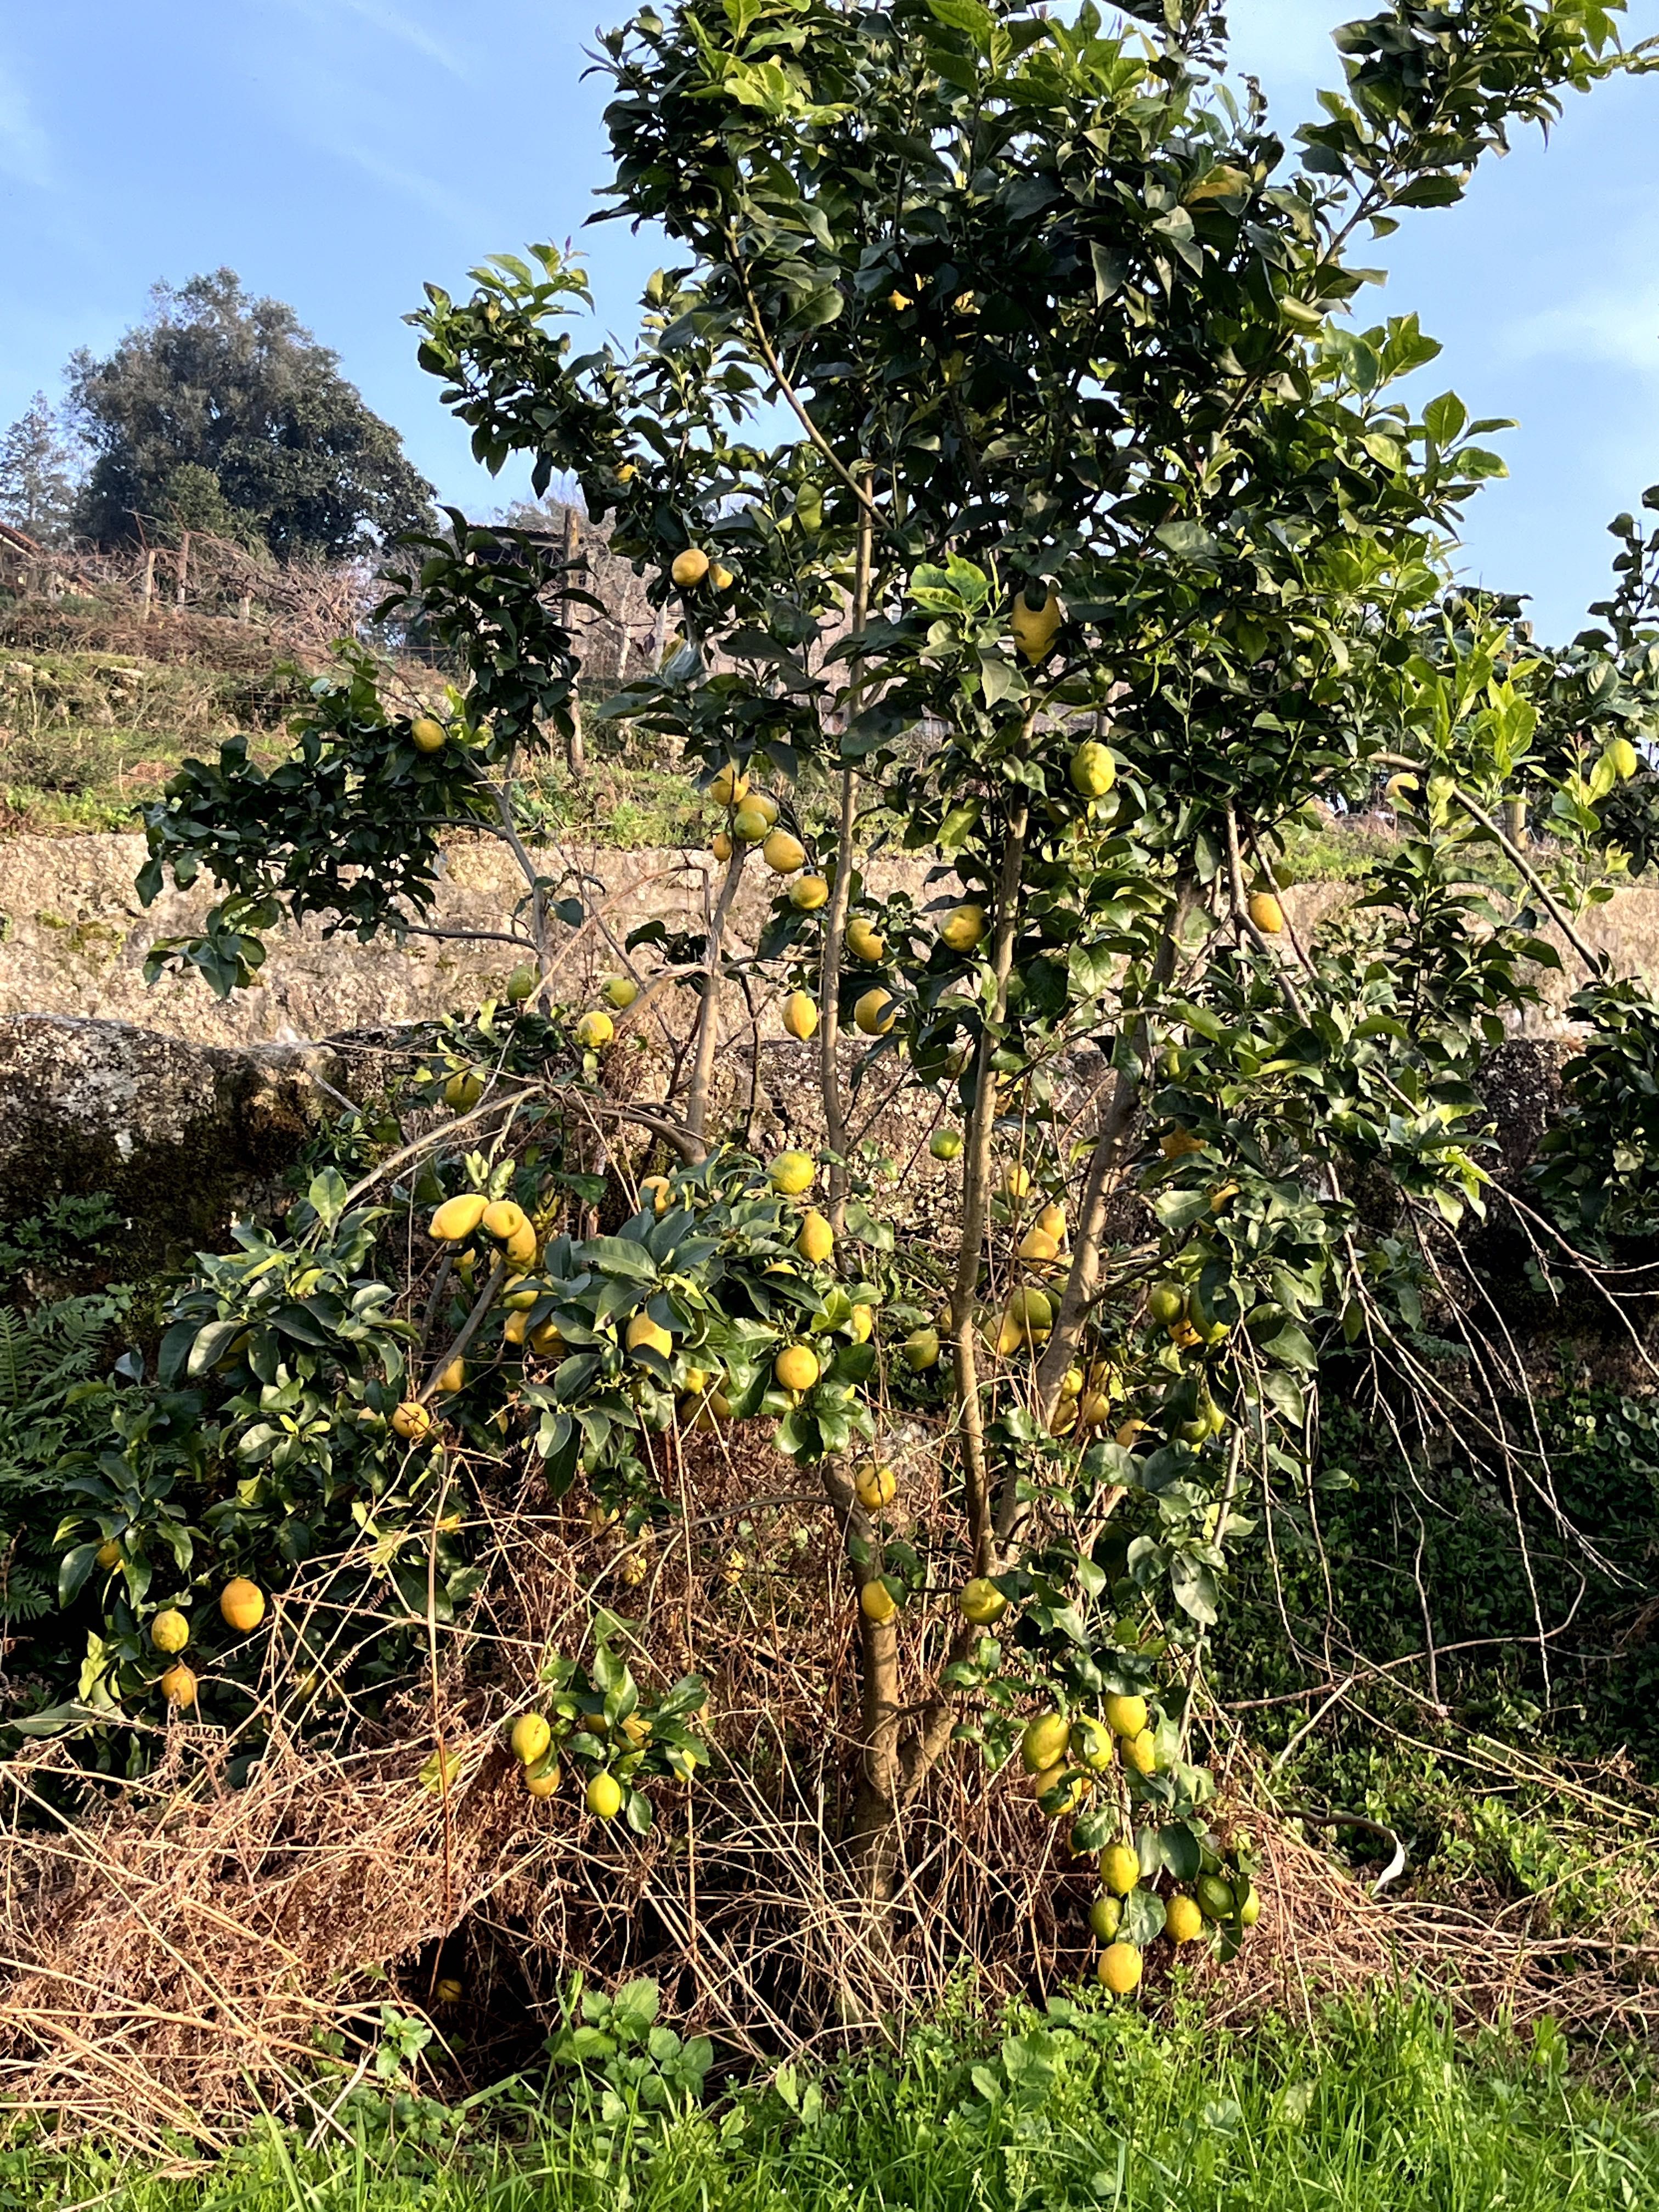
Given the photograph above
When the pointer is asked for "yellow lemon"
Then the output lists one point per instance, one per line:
(876, 1485)
(515, 1297)
(457, 1218)
(764, 804)
(877, 1602)
(169, 1631)
(1090, 1745)
(1093, 770)
(792, 1173)
(783, 854)
(1035, 627)
(1016, 1181)
(964, 928)
(620, 991)
(452, 1378)
(690, 568)
(108, 1554)
(179, 1684)
(1119, 1968)
(810, 892)
(544, 1784)
(1120, 1868)
(595, 1030)
(1266, 913)
(1105, 1917)
(1250, 1912)
(547, 1341)
(801, 1015)
(721, 577)
(1031, 1309)
(1043, 1742)
(1624, 758)
(729, 786)
(659, 1190)
(796, 1368)
(921, 1349)
(864, 941)
(720, 846)
(504, 1220)
(530, 1738)
(604, 1796)
(411, 1421)
(875, 1012)
(1182, 1921)
(1125, 1716)
(1141, 1751)
(749, 825)
(1177, 1143)
(1072, 1791)
(426, 735)
(646, 1334)
(860, 1323)
(242, 1605)
(816, 1240)
(1039, 1247)
(981, 1601)
(1052, 1222)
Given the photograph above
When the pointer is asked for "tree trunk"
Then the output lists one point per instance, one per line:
(834, 920)
(976, 1202)
(575, 754)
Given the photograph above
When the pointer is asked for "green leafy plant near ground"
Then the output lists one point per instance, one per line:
(1372, 2110)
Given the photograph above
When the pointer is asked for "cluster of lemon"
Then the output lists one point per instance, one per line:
(534, 1748)
(796, 1367)
(1067, 1759)
(979, 1600)
(242, 1608)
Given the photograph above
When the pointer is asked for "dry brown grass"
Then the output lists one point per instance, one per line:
(165, 1953)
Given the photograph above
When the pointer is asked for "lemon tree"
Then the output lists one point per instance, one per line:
(1106, 534)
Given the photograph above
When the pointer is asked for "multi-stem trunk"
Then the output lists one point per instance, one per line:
(834, 921)
(708, 1015)
(976, 1199)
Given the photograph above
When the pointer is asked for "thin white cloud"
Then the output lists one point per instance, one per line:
(392, 23)
(1619, 328)
(25, 151)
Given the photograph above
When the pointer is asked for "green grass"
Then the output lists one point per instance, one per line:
(1084, 2108)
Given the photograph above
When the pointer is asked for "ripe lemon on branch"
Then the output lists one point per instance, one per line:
(1036, 621)
(242, 1605)
(876, 1485)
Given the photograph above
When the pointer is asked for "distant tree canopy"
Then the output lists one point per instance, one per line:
(37, 479)
(222, 412)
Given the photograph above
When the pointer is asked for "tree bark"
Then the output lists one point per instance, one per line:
(708, 1017)
(977, 1200)
(835, 923)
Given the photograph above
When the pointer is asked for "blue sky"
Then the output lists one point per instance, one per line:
(337, 153)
